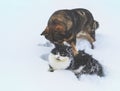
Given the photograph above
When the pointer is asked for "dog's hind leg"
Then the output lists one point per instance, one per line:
(92, 34)
(93, 28)
(88, 37)
(91, 40)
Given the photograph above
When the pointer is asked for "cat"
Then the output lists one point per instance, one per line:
(62, 58)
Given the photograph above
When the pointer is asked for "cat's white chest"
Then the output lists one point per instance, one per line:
(59, 64)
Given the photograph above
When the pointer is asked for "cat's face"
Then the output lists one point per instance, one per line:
(60, 57)
(62, 53)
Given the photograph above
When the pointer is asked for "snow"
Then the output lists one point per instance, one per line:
(23, 52)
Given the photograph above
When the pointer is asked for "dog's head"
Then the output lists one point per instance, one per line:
(56, 33)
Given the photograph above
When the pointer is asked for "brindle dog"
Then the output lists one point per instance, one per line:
(67, 25)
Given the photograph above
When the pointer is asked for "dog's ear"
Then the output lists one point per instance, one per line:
(59, 27)
(45, 32)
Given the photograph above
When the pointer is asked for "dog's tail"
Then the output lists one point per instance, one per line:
(95, 25)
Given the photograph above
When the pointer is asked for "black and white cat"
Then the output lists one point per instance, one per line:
(62, 58)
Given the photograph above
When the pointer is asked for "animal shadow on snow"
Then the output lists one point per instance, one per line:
(44, 57)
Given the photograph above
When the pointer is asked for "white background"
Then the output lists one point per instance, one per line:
(23, 65)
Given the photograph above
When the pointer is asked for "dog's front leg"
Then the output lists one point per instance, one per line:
(74, 49)
(72, 42)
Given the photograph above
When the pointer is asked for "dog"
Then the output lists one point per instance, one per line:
(63, 59)
(67, 25)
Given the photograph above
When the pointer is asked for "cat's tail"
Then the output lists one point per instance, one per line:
(101, 72)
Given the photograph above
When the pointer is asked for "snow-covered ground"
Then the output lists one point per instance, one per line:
(23, 54)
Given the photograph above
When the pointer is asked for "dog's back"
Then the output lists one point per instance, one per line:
(73, 18)
(89, 19)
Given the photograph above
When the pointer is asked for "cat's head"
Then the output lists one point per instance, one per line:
(62, 52)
